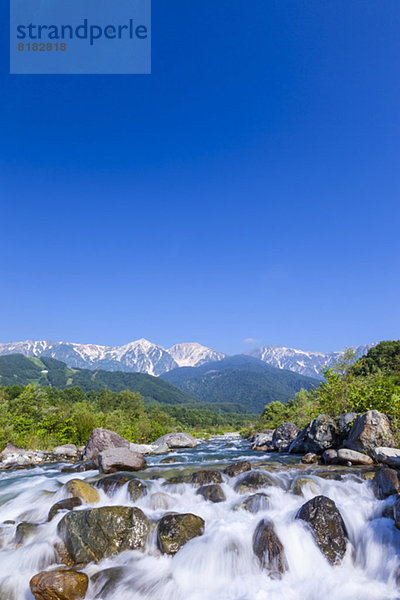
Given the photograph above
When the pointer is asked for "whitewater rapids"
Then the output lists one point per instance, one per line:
(220, 565)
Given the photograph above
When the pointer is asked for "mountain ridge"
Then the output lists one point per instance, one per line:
(143, 356)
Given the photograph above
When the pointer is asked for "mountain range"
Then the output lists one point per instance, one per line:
(142, 356)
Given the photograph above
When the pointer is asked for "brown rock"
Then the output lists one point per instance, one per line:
(61, 584)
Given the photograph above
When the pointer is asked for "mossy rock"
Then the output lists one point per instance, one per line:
(80, 489)
(67, 504)
(137, 489)
(175, 530)
(212, 493)
(299, 483)
(254, 503)
(253, 481)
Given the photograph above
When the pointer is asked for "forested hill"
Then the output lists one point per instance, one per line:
(241, 379)
(16, 369)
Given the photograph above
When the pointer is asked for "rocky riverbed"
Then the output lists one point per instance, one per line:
(217, 521)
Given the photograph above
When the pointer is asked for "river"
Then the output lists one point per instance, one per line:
(219, 565)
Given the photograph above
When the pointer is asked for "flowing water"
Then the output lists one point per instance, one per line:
(219, 565)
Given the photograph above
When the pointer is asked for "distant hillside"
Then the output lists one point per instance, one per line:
(16, 369)
(239, 379)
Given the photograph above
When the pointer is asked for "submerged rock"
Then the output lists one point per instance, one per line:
(269, 549)
(120, 459)
(24, 531)
(284, 435)
(79, 467)
(198, 477)
(137, 489)
(300, 482)
(213, 493)
(169, 459)
(61, 584)
(237, 468)
(94, 534)
(113, 482)
(386, 482)
(327, 526)
(67, 504)
(253, 481)
(176, 440)
(174, 530)
(396, 513)
(80, 489)
(160, 500)
(106, 581)
(370, 430)
(255, 503)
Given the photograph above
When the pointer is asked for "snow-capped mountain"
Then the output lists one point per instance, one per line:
(305, 363)
(140, 356)
(145, 357)
(193, 354)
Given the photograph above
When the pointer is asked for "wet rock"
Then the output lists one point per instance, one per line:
(255, 503)
(263, 441)
(355, 458)
(386, 482)
(137, 489)
(299, 483)
(388, 456)
(61, 584)
(25, 531)
(175, 530)
(330, 457)
(370, 430)
(97, 533)
(309, 458)
(67, 504)
(112, 483)
(69, 450)
(396, 512)
(170, 459)
(177, 440)
(253, 481)
(120, 459)
(327, 526)
(387, 511)
(102, 439)
(198, 477)
(284, 435)
(62, 555)
(269, 549)
(79, 467)
(161, 501)
(237, 468)
(106, 581)
(319, 435)
(213, 492)
(80, 489)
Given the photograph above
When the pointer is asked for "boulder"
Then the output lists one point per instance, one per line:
(161, 449)
(175, 530)
(309, 458)
(319, 435)
(327, 527)
(202, 477)
(80, 489)
(356, 458)
(9, 450)
(120, 459)
(137, 489)
(263, 441)
(97, 533)
(370, 430)
(237, 468)
(344, 424)
(269, 549)
(284, 435)
(67, 504)
(176, 440)
(255, 503)
(388, 456)
(386, 482)
(69, 450)
(253, 481)
(61, 584)
(113, 482)
(213, 492)
(330, 457)
(102, 439)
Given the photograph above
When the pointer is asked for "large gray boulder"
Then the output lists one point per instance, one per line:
(120, 459)
(68, 450)
(102, 439)
(387, 456)
(370, 430)
(176, 440)
(284, 435)
(263, 441)
(269, 549)
(91, 535)
(327, 527)
(318, 436)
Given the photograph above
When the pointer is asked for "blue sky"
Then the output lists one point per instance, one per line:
(248, 188)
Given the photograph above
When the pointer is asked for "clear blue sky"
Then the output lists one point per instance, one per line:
(248, 188)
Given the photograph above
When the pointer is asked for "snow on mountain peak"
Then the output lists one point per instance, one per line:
(191, 354)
